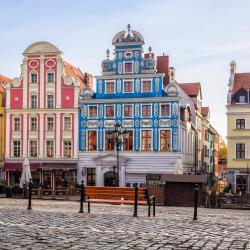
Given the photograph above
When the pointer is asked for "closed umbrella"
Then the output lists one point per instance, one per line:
(26, 175)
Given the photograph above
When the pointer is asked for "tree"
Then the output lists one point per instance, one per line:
(222, 152)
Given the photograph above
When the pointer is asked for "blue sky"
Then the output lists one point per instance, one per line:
(201, 37)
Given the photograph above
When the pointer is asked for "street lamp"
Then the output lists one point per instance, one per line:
(118, 136)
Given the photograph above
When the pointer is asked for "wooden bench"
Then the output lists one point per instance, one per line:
(118, 195)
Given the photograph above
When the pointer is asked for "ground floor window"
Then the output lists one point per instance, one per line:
(91, 177)
(241, 183)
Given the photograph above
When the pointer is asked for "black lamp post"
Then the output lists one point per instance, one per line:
(118, 136)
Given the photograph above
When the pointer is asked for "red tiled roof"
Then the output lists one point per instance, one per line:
(75, 73)
(241, 80)
(204, 111)
(192, 89)
(3, 80)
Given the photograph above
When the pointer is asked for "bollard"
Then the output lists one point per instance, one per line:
(149, 208)
(81, 197)
(216, 201)
(153, 200)
(136, 201)
(88, 205)
(30, 189)
(196, 189)
(209, 199)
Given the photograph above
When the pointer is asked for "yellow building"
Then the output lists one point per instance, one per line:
(3, 81)
(238, 130)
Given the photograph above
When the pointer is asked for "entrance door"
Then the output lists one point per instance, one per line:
(109, 179)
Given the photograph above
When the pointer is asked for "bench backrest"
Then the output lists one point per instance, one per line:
(127, 193)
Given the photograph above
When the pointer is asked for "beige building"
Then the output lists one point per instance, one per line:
(238, 130)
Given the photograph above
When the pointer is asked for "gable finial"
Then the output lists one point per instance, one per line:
(129, 28)
(150, 49)
(107, 53)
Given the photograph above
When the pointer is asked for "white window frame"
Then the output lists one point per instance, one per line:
(125, 104)
(107, 81)
(47, 99)
(33, 94)
(132, 72)
(65, 140)
(47, 123)
(47, 76)
(104, 141)
(30, 149)
(16, 117)
(123, 88)
(46, 153)
(159, 139)
(96, 111)
(30, 76)
(67, 116)
(97, 141)
(150, 109)
(130, 129)
(144, 80)
(240, 99)
(169, 110)
(31, 123)
(105, 110)
(14, 150)
(152, 135)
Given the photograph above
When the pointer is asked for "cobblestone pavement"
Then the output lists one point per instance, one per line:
(58, 225)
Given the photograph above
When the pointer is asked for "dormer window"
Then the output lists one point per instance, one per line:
(128, 67)
(50, 77)
(110, 87)
(242, 99)
(33, 77)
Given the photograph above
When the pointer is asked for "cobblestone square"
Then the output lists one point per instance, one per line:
(58, 225)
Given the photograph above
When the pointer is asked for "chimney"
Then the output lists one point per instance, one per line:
(163, 67)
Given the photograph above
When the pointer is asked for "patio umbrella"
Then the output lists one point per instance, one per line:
(26, 175)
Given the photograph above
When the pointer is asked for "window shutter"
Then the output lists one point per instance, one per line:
(247, 150)
(247, 123)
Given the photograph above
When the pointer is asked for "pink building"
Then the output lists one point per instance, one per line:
(42, 117)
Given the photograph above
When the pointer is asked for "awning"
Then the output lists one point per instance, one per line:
(190, 178)
(57, 166)
(10, 166)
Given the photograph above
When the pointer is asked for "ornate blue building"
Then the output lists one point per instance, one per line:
(131, 91)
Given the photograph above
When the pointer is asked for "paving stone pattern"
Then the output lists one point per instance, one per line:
(58, 225)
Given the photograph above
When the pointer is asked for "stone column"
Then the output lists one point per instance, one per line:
(25, 136)
(58, 132)
(7, 136)
(58, 81)
(122, 176)
(25, 82)
(99, 175)
(42, 141)
(42, 80)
